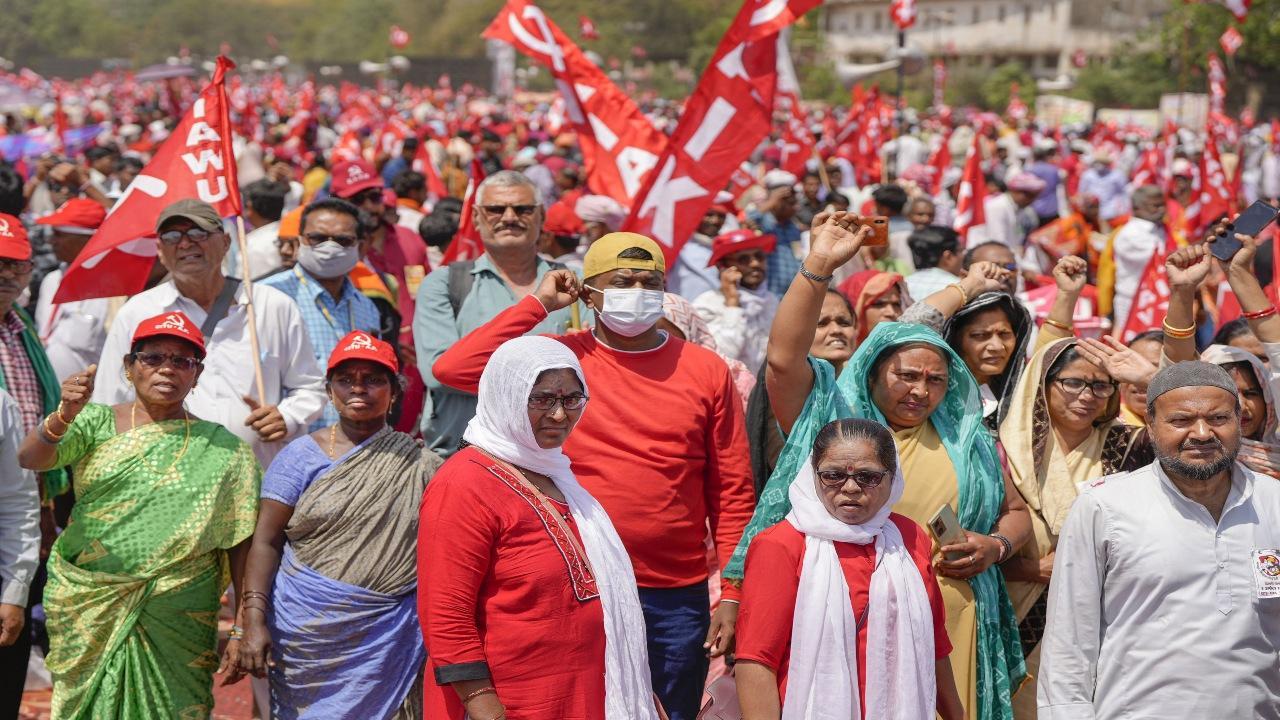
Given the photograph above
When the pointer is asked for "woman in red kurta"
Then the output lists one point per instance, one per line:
(841, 580)
(527, 599)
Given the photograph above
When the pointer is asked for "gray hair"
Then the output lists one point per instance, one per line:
(508, 178)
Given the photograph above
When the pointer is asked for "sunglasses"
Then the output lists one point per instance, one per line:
(178, 362)
(866, 479)
(547, 402)
(194, 234)
(367, 196)
(315, 238)
(15, 267)
(495, 212)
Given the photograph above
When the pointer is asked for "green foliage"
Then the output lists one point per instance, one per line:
(995, 88)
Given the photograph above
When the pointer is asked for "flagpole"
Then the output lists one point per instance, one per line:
(253, 323)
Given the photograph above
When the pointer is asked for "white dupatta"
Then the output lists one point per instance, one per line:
(501, 428)
(822, 675)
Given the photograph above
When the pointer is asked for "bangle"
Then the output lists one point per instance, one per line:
(1006, 547)
(1259, 314)
(61, 418)
(53, 437)
(815, 277)
(1179, 333)
(252, 594)
(477, 693)
(236, 633)
(1061, 326)
(964, 296)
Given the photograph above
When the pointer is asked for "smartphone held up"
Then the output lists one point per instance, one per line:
(1251, 222)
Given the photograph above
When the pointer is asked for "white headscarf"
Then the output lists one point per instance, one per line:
(501, 428)
(822, 675)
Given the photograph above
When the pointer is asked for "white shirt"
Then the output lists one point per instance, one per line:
(923, 283)
(1000, 223)
(264, 256)
(19, 511)
(1134, 246)
(741, 333)
(408, 218)
(72, 333)
(293, 380)
(1152, 608)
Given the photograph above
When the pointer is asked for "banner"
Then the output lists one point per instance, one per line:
(195, 161)
(619, 144)
(903, 13)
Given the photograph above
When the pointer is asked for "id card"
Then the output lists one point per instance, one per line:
(1266, 573)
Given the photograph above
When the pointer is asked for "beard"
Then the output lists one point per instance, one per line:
(1173, 464)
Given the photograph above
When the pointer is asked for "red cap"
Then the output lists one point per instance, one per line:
(174, 324)
(360, 345)
(562, 220)
(737, 241)
(351, 177)
(14, 244)
(77, 215)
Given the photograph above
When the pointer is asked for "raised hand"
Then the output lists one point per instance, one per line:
(1121, 363)
(558, 289)
(1188, 266)
(729, 279)
(1071, 274)
(834, 239)
(76, 391)
(984, 277)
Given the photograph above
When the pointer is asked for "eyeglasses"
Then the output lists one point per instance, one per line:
(1101, 389)
(179, 362)
(315, 238)
(498, 211)
(15, 267)
(194, 234)
(547, 402)
(866, 479)
(367, 196)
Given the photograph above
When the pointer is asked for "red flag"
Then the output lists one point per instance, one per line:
(422, 163)
(398, 37)
(1238, 8)
(797, 139)
(587, 28)
(735, 94)
(348, 148)
(195, 161)
(619, 144)
(973, 189)
(1215, 191)
(1217, 85)
(1151, 303)
(466, 243)
(1231, 40)
(60, 123)
(1148, 170)
(903, 13)
(940, 162)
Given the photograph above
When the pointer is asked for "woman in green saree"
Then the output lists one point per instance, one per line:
(165, 506)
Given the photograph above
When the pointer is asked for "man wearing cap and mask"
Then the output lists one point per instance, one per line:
(662, 445)
(1165, 599)
(73, 332)
(191, 245)
(331, 307)
(740, 313)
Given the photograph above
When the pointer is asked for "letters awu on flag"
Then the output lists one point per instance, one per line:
(619, 144)
(195, 161)
(727, 116)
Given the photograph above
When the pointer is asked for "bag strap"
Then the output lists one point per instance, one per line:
(460, 282)
(220, 306)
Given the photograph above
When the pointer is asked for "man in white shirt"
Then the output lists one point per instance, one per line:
(19, 555)
(1134, 246)
(741, 312)
(1002, 212)
(935, 250)
(264, 204)
(192, 245)
(1165, 600)
(73, 332)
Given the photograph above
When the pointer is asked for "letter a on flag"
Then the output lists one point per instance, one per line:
(195, 161)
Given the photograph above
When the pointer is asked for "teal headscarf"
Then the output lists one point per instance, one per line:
(958, 421)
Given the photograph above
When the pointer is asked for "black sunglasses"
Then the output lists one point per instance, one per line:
(866, 479)
(194, 234)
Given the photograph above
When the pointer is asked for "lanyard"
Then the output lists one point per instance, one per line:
(351, 319)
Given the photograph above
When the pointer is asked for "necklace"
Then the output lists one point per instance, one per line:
(333, 439)
(186, 441)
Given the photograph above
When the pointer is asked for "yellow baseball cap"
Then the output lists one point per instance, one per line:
(602, 256)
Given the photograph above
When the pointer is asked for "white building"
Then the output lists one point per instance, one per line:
(1045, 35)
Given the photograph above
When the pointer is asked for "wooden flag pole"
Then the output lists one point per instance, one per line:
(253, 323)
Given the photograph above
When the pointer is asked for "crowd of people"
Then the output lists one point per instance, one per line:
(787, 469)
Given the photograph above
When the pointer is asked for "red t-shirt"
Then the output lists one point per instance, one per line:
(773, 579)
(662, 444)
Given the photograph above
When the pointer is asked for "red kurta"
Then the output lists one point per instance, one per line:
(496, 599)
(662, 444)
(772, 579)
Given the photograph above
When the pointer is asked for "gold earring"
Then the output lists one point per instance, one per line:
(127, 376)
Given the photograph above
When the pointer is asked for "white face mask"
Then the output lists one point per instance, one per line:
(630, 312)
(328, 259)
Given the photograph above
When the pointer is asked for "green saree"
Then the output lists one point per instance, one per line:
(135, 581)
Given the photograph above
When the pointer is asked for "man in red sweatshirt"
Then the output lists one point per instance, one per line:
(661, 445)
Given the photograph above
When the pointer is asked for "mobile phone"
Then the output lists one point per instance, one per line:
(1252, 221)
(945, 526)
(879, 230)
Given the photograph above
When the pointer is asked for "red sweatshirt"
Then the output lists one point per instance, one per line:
(662, 444)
